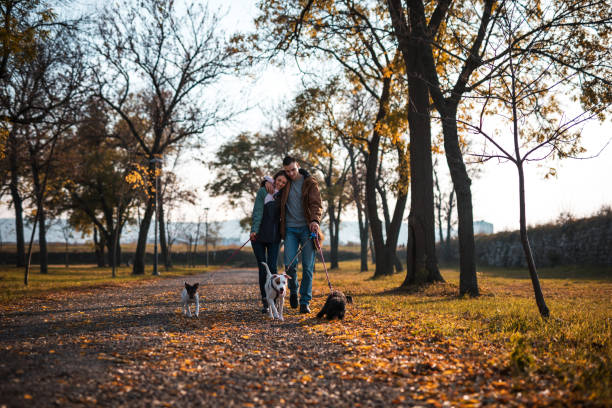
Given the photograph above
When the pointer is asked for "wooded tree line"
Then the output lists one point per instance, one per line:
(91, 106)
(89, 102)
(395, 74)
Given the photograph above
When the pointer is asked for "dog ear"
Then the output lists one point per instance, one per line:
(195, 285)
(349, 299)
(186, 284)
(287, 276)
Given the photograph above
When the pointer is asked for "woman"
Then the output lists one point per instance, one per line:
(265, 232)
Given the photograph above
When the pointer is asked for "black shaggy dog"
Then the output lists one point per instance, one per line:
(335, 305)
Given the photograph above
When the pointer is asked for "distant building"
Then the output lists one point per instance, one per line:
(483, 227)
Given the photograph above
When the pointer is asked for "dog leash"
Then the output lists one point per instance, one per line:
(234, 253)
(318, 246)
(227, 260)
(294, 258)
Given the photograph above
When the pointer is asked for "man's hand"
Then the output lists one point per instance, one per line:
(269, 187)
(314, 227)
(253, 235)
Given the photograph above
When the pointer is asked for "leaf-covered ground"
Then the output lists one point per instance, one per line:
(129, 345)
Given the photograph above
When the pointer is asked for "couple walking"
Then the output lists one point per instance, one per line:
(287, 207)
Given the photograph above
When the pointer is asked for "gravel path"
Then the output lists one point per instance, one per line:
(131, 346)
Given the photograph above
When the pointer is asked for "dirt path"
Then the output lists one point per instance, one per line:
(130, 346)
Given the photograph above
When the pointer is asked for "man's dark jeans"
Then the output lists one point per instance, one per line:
(268, 253)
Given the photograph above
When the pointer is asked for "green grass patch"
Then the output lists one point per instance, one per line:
(75, 278)
(574, 344)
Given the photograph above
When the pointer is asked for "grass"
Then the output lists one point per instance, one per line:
(75, 277)
(574, 344)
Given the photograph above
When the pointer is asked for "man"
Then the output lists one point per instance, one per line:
(300, 215)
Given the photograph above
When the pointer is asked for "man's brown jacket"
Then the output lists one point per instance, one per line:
(311, 202)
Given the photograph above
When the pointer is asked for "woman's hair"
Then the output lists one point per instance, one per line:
(279, 173)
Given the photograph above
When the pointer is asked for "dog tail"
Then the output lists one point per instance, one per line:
(267, 269)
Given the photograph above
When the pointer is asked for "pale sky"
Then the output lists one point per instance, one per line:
(581, 187)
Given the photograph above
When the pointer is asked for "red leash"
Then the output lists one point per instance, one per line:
(234, 253)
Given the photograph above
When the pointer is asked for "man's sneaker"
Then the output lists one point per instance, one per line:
(293, 300)
(304, 309)
(264, 310)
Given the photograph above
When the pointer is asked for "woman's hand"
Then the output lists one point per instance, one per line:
(253, 235)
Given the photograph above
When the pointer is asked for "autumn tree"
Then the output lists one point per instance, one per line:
(168, 57)
(95, 188)
(171, 195)
(528, 95)
(40, 99)
(40, 71)
(241, 163)
(356, 39)
(318, 119)
(456, 43)
(354, 143)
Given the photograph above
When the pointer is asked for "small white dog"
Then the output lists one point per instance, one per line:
(190, 295)
(276, 289)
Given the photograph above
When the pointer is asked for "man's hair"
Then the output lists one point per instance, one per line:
(288, 160)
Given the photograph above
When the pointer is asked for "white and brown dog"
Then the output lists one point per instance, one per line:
(190, 295)
(276, 289)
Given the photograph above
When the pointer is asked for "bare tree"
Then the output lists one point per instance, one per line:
(166, 59)
(527, 94)
(41, 70)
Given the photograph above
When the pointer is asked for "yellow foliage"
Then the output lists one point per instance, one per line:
(3, 141)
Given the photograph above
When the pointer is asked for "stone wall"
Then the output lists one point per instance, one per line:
(586, 241)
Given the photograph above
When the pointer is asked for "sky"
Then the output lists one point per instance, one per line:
(581, 187)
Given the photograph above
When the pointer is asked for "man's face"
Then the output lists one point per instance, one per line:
(292, 170)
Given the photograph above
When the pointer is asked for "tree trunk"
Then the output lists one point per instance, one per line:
(162, 233)
(17, 201)
(333, 233)
(372, 252)
(364, 234)
(17, 204)
(449, 224)
(113, 246)
(422, 264)
(438, 206)
(43, 252)
(66, 255)
(384, 262)
(98, 248)
(421, 251)
(334, 242)
(143, 232)
(533, 273)
(388, 230)
(40, 213)
(361, 214)
(197, 239)
(468, 283)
